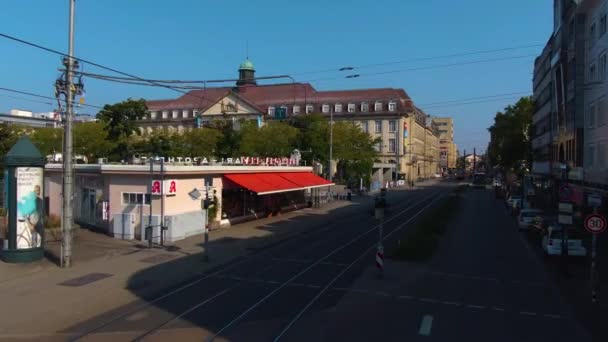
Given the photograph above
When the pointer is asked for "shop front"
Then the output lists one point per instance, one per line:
(121, 200)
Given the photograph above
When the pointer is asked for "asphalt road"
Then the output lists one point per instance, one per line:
(484, 285)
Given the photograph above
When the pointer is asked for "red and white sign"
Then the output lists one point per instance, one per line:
(595, 223)
(169, 188)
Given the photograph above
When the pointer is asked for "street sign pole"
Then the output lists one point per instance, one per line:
(206, 241)
(595, 224)
(593, 270)
(379, 213)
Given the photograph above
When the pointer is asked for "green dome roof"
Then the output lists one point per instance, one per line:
(246, 65)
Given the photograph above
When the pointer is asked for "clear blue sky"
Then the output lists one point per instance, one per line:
(193, 39)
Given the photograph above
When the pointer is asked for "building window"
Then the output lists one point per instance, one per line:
(378, 147)
(603, 25)
(392, 144)
(364, 107)
(309, 109)
(296, 109)
(165, 114)
(392, 126)
(592, 34)
(378, 126)
(325, 108)
(351, 107)
(592, 73)
(271, 111)
(601, 111)
(590, 157)
(364, 126)
(377, 106)
(153, 115)
(338, 108)
(174, 114)
(130, 198)
(185, 114)
(602, 71)
(194, 113)
(392, 106)
(591, 115)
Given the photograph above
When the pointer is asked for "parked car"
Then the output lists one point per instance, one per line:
(528, 217)
(514, 201)
(552, 241)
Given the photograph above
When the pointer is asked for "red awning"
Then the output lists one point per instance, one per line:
(269, 183)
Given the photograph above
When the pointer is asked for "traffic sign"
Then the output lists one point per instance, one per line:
(594, 200)
(595, 223)
(566, 208)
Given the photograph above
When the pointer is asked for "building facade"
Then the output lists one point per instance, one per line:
(447, 148)
(384, 113)
(596, 106)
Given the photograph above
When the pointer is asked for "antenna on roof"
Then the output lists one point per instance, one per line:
(247, 48)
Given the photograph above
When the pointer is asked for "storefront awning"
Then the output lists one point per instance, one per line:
(270, 183)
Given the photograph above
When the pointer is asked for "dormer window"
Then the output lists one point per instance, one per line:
(153, 115)
(364, 107)
(351, 107)
(392, 106)
(296, 109)
(377, 106)
(325, 108)
(165, 114)
(184, 114)
(309, 109)
(338, 108)
(174, 114)
(271, 111)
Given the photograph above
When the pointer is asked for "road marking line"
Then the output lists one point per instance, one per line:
(406, 297)
(427, 300)
(426, 325)
(552, 316)
(451, 303)
(476, 306)
(498, 309)
(527, 313)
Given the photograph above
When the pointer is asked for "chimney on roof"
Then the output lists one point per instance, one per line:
(246, 74)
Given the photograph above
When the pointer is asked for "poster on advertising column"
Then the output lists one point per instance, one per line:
(29, 206)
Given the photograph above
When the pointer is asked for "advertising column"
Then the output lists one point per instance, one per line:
(24, 187)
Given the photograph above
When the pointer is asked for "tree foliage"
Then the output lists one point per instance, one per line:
(353, 150)
(510, 143)
(91, 140)
(48, 140)
(313, 138)
(120, 124)
(271, 140)
(199, 142)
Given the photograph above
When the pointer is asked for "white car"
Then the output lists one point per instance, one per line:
(527, 218)
(552, 242)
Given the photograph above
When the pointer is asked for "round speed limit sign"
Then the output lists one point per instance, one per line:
(595, 224)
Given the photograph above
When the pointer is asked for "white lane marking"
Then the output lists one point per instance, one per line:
(498, 309)
(552, 316)
(427, 300)
(476, 306)
(357, 259)
(451, 303)
(527, 313)
(426, 325)
(406, 297)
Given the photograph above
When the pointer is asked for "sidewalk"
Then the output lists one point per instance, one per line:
(102, 277)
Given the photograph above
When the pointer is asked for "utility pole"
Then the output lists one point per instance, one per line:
(331, 141)
(474, 160)
(68, 172)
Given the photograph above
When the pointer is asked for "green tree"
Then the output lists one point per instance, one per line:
(199, 142)
(230, 138)
(354, 151)
(91, 140)
(313, 138)
(120, 123)
(274, 139)
(48, 140)
(158, 143)
(510, 136)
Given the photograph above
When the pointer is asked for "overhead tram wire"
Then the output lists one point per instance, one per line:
(474, 98)
(97, 65)
(43, 96)
(371, 65)
(424, 68)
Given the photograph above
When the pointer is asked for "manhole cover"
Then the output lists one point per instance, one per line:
(156, 259)
(85, 279)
